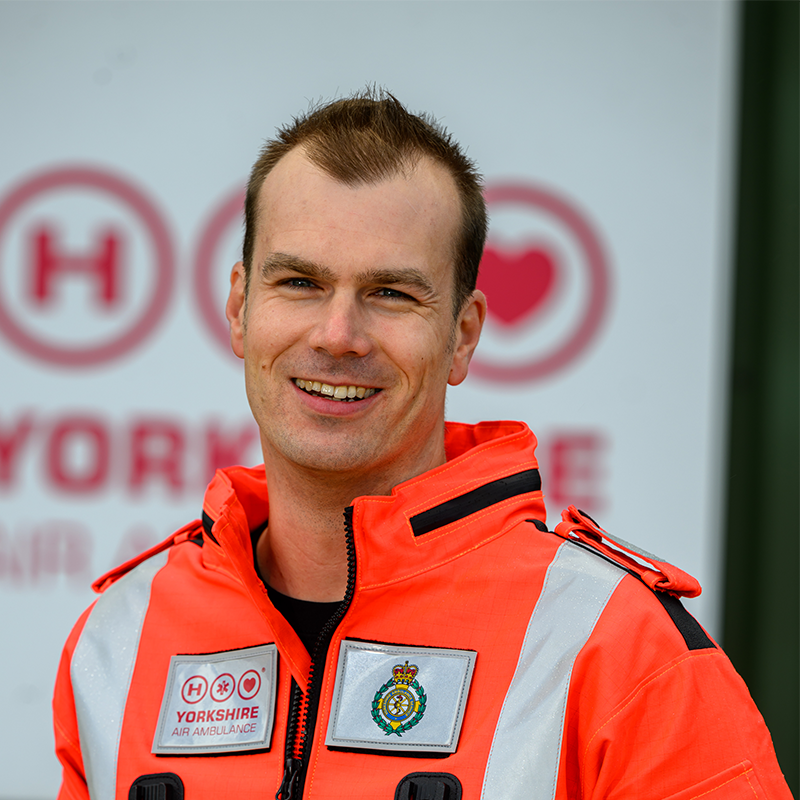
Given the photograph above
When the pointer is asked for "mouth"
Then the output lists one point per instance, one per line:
(344, 393)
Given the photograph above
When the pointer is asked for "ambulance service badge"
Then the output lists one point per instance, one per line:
(400, 703)
(391, 719)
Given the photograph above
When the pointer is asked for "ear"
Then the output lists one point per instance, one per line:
(235, 308)
(467, 334)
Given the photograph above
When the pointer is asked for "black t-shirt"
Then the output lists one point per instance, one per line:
(305, 616)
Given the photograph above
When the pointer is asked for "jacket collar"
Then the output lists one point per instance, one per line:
(490, 479)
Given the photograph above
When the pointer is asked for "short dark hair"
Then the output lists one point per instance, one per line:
(367, 138)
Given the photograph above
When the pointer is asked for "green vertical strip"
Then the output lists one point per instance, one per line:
(762, 604)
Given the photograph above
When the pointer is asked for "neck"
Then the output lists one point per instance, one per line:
(303, 552)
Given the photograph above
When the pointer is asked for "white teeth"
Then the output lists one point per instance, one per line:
(343, 392)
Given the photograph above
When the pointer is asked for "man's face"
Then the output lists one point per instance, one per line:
(347, 328)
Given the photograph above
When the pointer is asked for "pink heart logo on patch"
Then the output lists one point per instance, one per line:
(248, 684)
(516, 283)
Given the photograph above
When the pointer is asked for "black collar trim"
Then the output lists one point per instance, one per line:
(476, 500)
(208, 524)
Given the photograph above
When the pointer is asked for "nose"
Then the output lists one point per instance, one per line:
(341, 328)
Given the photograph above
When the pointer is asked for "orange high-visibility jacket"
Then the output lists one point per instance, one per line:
(476, 655)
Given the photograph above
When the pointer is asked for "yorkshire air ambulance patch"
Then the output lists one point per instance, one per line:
(218, 703)
(400, 703)
(399, 698)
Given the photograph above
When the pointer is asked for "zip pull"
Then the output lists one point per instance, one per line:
(291, 773)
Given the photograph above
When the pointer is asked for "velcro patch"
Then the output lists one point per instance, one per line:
(398, 698)
(219, 703)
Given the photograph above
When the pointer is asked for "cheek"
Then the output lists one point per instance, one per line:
(426, 364)
(267, 336)
(435, 351)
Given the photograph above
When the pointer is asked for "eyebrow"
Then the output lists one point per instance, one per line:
(279, 262)
(403, 276)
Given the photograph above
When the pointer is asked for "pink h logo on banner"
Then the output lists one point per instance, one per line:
(51, 263)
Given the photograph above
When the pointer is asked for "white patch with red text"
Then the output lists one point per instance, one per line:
(224, 702)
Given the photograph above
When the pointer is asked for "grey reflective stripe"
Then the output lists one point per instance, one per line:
(523, 761)
(101, 670)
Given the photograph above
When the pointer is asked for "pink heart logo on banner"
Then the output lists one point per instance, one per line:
(516, 283)
(248, 684)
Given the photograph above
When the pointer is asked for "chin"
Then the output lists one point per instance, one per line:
(349, 455)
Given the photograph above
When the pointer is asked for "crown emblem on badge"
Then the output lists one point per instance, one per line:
(400, 703)
(404, 674)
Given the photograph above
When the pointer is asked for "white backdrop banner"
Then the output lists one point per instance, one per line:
(604, 131)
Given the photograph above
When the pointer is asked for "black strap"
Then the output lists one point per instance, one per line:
(693, 634)
(476, 500)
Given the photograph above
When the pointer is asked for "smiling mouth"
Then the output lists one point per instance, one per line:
(346, 393)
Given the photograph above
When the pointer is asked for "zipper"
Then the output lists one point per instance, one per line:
(291, 768)
(303, 708)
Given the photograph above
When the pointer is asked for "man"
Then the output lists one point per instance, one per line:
(380, 610)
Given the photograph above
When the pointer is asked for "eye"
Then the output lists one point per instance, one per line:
(299, 283)
(392, 294)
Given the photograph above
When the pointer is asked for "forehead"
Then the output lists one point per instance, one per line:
(409, 219)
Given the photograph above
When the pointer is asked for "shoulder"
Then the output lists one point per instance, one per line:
(641, 622)
(192, 533)
(125, 592)
(655, 706)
